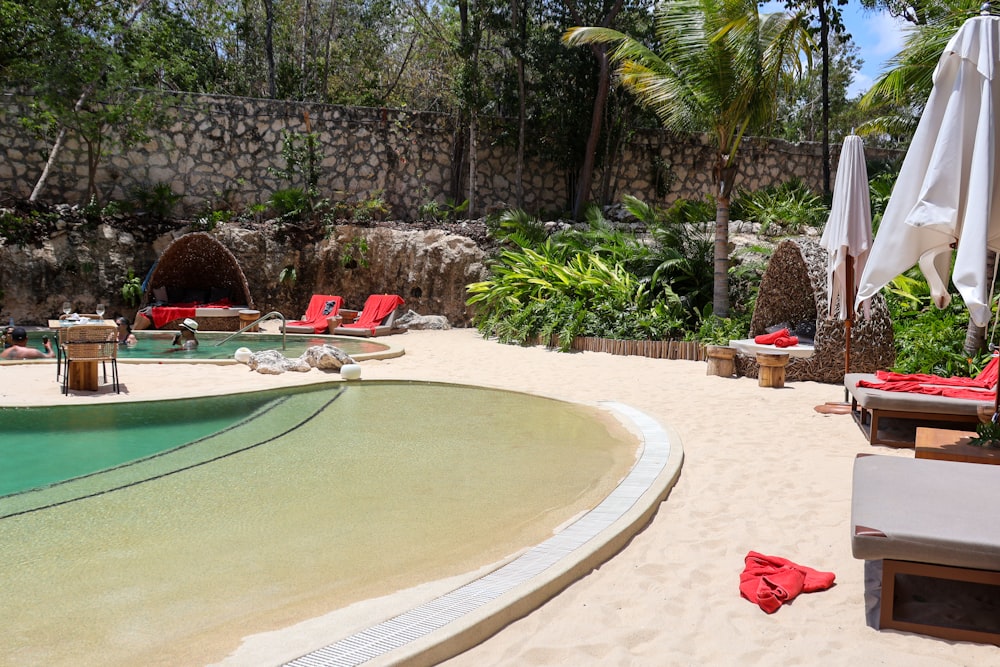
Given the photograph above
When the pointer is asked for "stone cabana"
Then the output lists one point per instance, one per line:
(793, 290)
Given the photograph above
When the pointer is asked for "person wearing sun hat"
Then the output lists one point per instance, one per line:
(185, 338)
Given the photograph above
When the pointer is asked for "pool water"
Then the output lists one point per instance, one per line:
(315, 498)
(156, 345)
(46, 445)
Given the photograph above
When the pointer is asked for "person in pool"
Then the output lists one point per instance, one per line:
(19, 347)
(125, 335)
(185, 338)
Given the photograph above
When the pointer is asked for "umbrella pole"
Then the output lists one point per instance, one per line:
(848, 321)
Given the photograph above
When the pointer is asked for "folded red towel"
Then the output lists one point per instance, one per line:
(771, 581)
(768, 339)
(786, 341)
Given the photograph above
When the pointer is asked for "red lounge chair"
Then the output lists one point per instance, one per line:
(321, 307)
(376, 317)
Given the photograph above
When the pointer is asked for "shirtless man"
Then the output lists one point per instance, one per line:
(19, 347)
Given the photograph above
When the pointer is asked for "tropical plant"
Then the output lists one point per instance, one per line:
(789, 206)
(131, 289)
(518, 227)
(718, 69)
(555, 291)
(156, 201)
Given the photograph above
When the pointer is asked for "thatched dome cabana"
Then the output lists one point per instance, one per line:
(793, 290)
(197, 268)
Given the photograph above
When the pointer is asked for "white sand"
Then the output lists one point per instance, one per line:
(763, 471)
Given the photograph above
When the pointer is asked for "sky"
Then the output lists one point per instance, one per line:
(878, 35)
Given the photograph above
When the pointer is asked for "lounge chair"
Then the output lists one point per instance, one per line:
(316, 319)
(377, 317)
(932, 557)
(869, 405)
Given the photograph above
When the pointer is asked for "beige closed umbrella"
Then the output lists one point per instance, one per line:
(847, 236)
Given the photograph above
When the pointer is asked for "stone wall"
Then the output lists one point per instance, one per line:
(428, 268)
(224, 146)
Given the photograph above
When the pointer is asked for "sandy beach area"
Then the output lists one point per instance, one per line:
(763, 471)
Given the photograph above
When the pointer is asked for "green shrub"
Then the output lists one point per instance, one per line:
(790, 206)
(156, 201)
(290, 203)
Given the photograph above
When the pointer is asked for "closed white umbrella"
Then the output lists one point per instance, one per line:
(847, 236)
(947, 193)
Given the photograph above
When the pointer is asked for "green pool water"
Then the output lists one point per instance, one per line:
(156, 345)
(46, 445)
(170, 543)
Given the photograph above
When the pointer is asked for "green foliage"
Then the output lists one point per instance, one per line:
(684, 211)
(289, 204)
(720, 330)
(449, 210)
(15, 229)
(552, 291)
(131, 289)
(156, 201)
(354, 253)
(517, 227)
(928, 340)
(288, 275)
(373, 207)
(302, 156)
(791, 206)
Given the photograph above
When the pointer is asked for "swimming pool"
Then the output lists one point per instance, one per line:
(156, 345)
(314, 499)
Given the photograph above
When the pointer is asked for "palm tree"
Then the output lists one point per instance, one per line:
(718, 70)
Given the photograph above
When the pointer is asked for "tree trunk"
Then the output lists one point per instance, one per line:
(585, 179)
(824, 40)
(272, 86)
(473, 163)
(522, 103)
(725, 174)
(975, 336)
(720, 275)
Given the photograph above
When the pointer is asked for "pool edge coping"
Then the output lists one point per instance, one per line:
(484, 620)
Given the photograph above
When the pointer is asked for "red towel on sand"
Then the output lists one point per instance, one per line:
(979, 388)
(770, 581)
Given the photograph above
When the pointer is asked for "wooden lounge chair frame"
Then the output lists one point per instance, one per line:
(869, 406)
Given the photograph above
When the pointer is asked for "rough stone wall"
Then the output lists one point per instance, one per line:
(428, 268)
(220, 145)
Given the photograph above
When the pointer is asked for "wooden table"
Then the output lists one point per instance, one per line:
(950, 445)
(83, 375)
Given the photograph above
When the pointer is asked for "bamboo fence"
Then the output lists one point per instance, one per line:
(687, 350)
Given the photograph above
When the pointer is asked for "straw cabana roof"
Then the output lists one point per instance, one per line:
(198, 261)
(793, 290)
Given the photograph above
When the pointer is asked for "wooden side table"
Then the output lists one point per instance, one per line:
(944, 444)
(772, 369)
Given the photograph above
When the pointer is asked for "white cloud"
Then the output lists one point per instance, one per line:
(860, 83)
(886, 35)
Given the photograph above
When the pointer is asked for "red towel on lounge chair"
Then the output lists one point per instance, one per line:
(979, 388)
(377, 307)
(321, 306)
(164, 314)
(770, 581)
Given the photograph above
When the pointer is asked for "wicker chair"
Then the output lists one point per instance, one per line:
(90, 343)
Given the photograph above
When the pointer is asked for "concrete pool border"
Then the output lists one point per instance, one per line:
(466, 616)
